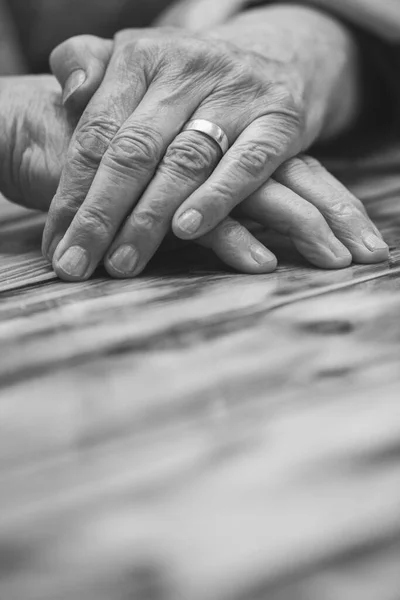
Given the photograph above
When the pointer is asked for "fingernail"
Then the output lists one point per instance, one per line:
(75, 261)
(338, 249)
(190, 221)
(373, 242)
(124, 259)
(261, 255)
(73, 83)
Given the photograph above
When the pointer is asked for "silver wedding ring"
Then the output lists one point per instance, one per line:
(211, 130)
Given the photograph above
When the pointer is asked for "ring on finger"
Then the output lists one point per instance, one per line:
(211, 130)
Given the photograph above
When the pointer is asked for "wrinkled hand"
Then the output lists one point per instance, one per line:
(35, 134)
(130, 171)
(36, 131)
(129, 157)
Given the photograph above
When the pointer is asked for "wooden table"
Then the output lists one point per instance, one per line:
(200, 435)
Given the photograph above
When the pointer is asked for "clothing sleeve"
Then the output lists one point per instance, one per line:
(377, 20)
(378, 17)
(11, 57)
(376, 25)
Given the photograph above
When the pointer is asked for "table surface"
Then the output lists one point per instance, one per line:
(196, 434)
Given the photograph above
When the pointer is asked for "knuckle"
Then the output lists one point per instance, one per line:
(95, 221)
(359, 206)
(341, 208)
(254, 158)
(130, 52)
(137, 148)
(312, 163)
(147, 218)
(190, 55)
(92, 140)
(222, 191)
(245, 82)
(189, 160)
(289, 105)
(283, 135)
(65, 207)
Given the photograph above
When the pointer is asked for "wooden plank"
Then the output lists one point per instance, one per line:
(197, 434)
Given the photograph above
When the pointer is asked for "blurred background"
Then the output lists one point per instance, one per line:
(30, 29)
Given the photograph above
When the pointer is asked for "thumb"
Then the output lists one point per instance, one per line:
(80, 64)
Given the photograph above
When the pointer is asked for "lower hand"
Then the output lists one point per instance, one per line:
(35, 135)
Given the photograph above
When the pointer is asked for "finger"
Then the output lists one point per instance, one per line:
(239, 249)
(257, 153)
(230, 241)
(125, 171)
(281, 209)
(321, 171)
(343, 212)
(79, 64)
(188, 162)
(116, 99)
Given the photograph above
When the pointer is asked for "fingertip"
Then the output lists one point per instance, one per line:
(252, 259)
(74, 83)
(331, 257)
(186, 225)
(264, 261)
(79, 64)
(368, 248)
(51, 237)
(123, 262)
(238, 248)
(250, 267)
(114, 274)
(341, 255)
(68, 278)
(72, 264)
(49, 247)
(364, 256)
(337, 262)
(341, 262)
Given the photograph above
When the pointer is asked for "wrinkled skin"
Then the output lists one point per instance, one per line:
(325, 222)
(35, 133)
(130, 172)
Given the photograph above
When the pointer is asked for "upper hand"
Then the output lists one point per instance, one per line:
(128, 157)
(132, 159)
(36, 131)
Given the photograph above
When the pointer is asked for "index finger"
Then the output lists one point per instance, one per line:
(115, 100)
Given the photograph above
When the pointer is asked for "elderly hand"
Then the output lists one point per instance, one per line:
(35, 134)
(130, 169)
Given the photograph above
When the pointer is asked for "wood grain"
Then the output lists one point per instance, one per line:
(200, 435)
